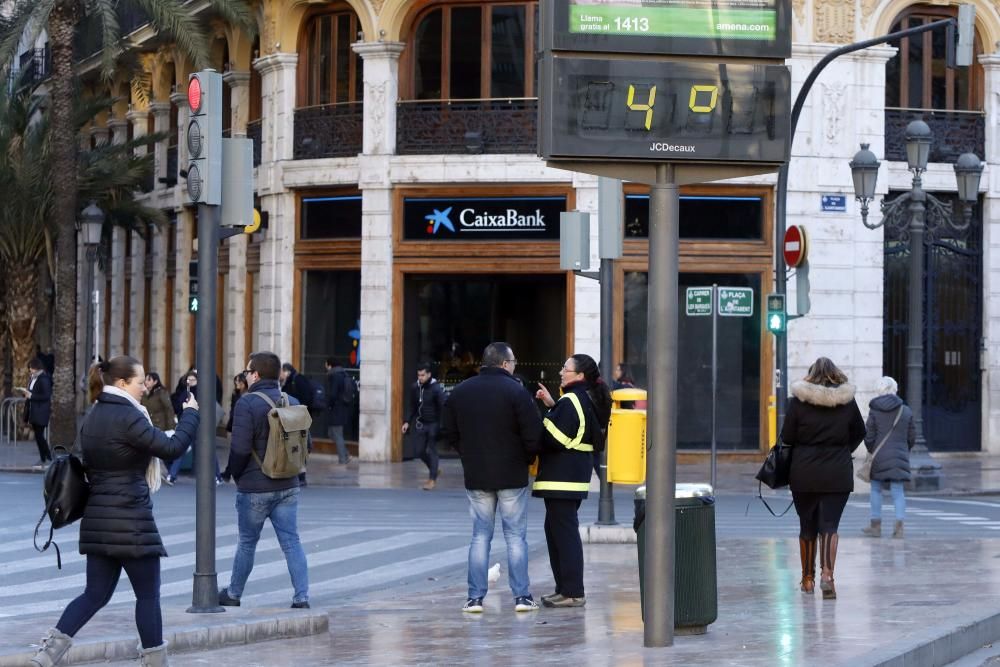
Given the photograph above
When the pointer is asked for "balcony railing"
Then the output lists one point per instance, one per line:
(34, 66)
(467, 126)
(955, 132)
(328, 130)
(254, 132)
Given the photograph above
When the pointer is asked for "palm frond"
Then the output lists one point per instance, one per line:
(23, 20)
(238, 13)
(175, 19)
(106, 12)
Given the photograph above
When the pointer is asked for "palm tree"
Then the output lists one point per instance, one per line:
(109, 174)
(61, 18)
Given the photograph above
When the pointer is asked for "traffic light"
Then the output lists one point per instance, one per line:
(193, 286)
(204, 138)
(777, 318)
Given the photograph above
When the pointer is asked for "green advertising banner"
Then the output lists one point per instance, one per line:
(754, 20)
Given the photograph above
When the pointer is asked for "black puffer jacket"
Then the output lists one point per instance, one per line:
(893, 461)
(117, 442)
(823, 425)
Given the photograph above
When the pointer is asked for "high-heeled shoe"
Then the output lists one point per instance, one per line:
(829, 591)
(807, 554)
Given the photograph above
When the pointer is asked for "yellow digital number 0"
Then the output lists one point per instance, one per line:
(647, 107)
(703, 108)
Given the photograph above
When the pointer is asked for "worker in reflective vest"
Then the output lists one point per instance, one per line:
(575, 427)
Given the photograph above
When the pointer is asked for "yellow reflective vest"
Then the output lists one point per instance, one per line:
(567, 458)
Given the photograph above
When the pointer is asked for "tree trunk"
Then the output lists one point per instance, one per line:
(22, 306)
(62, 21)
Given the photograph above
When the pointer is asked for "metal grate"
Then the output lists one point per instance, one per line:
(467, 126)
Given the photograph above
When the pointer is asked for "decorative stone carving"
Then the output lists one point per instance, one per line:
(375, 94)
(867, 7)
(834, 110)
(377, 6)
(835, 21)
(799, 10)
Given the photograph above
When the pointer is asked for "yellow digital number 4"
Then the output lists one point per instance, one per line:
(703, 108)
(647, 107)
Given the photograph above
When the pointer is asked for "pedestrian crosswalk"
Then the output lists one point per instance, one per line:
(352, 553)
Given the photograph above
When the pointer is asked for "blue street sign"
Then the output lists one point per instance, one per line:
(834, 203)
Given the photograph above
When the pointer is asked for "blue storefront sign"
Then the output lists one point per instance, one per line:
(482, 218)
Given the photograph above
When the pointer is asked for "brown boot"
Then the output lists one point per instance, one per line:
(807, 554)
(897, 531)
(828, 561)
(874, 530)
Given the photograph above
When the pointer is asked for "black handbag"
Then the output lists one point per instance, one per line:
(777, 467)
(66, 491)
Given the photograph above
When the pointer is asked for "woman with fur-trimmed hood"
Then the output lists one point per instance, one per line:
(823, 425)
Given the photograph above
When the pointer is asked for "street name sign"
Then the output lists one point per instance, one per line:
(735, 301)
(698, 301)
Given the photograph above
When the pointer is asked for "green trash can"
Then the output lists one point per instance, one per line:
(696, 598)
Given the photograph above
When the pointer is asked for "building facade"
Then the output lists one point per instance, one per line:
(409, 219)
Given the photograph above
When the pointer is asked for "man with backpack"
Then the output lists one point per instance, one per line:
(268, 450)
(296, 385)
(341, 393)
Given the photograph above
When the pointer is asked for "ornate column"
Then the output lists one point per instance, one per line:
(381, 75)
(179, 100)
(116, 328)
(100, 135)
(118, 127)
(159, 337)
(239, 96)
(277, 73)
(161, 123)
(140, 123)
(137, 298)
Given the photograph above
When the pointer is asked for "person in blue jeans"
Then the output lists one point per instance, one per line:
(191, 382)
(889, 420)
(259, 497)
(492, 422)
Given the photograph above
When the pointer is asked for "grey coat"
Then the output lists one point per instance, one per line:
(893, 461)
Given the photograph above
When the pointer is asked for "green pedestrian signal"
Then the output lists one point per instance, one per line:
(193, 304)
(777, 318)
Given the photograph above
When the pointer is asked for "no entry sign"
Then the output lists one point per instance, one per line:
(795, 246)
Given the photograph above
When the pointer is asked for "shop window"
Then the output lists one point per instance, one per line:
(331, 310)
(333, 217)
(703, 218)
(917, 77)
(474, 52)
(738, 363)
(331, 69)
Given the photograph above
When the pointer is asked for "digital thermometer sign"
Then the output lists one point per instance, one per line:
(664, 110)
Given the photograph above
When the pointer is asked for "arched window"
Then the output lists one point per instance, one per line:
(474, 52)
(330, 70)
(917, 76)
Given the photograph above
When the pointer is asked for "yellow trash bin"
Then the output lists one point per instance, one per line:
(627, 439)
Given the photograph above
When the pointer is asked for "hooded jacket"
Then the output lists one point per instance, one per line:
(823, 426)
(892, 464)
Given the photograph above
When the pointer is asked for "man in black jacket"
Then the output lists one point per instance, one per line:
(426, 403)
(259, 497)
(494, 425)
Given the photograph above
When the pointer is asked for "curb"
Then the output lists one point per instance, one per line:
(189, 639)
(965, 638)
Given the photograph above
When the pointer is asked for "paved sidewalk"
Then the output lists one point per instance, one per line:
(898, 604)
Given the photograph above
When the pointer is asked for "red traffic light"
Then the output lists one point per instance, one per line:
(194, 94)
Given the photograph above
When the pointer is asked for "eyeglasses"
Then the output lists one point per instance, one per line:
(569, 370)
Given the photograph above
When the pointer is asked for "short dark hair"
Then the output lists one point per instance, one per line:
(425, 366)
(267, 365)
(155, 377)
(287, 367)
(333, 361)
(495, 354)
(36, 364)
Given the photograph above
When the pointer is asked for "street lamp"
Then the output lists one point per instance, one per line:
(915, 211)
(91, 226)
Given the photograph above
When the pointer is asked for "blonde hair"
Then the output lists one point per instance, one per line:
(825, 372)
(885, 386)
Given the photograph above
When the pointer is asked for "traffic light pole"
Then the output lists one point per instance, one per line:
(205, 594)
(780, 209)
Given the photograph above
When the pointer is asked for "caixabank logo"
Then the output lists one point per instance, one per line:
(482, 218)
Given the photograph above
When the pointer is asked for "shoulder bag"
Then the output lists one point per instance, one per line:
(865, 471)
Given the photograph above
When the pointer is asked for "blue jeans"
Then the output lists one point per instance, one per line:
(281, 507)
(175, 467)
(513, 505)
(336, 433)
(898, 499)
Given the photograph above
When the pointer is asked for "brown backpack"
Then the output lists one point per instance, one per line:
(287, 441)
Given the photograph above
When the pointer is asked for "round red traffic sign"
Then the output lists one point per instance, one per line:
(794, 247)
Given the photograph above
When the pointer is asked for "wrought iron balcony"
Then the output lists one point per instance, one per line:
(955, 132)
(328, 130)
(467, 126)
(254, 132)
(34, 66)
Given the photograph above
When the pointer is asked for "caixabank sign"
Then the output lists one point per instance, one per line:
(482, 218)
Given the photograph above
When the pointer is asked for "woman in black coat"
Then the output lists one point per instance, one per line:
(40, 407)
(823, 425)
(118, 532)
(575, 427)
(891, 420)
